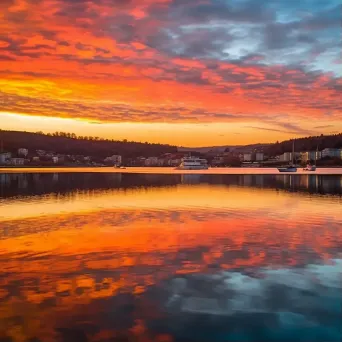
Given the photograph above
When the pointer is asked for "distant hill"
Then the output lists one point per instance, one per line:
(220, 149)
(69, 143)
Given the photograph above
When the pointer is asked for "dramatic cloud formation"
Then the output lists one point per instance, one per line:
(174, 61)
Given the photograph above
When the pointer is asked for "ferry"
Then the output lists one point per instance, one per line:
(193, 163)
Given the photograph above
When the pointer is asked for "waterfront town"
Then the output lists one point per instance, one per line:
(229, 157)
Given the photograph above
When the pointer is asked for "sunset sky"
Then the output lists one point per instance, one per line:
(185, 72)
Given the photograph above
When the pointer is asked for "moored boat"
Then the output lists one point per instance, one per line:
(291, 167)
(287, 169)
(310, 168)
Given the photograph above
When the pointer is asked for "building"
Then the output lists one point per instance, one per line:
(151, 161)
(40, 153)
(23, 152)
(218, 160)
(175, 162)
(161, 162)
(259, 156)
(332, 153)
(4, 157)
(310, 155)
(17, 161)
(247, 157)
(115, 160)
(287, 156)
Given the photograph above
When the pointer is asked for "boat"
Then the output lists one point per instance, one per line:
(193, 163)
(310, 168)
(291, 167)
(287, 169)
(118, 166)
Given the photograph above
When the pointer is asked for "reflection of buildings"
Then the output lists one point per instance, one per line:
(5, 179)
(45, 183)
(55, 178)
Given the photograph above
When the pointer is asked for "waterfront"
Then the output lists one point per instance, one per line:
(170, 257)
(170, 170)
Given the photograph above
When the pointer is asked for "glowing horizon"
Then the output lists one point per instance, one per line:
(189, 74)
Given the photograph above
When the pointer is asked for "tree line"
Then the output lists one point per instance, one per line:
(305, 144)
(70, 143)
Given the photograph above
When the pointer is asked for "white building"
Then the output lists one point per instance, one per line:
(4, 157)
(17, 161)
(23, 152)
(332, 152)
(247, 157)
(115, 159)
(259, 156)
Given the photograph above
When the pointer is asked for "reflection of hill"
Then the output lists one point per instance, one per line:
(64, 183)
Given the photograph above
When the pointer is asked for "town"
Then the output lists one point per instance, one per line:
(227, 158)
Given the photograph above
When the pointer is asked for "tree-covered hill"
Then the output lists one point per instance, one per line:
(69, 143)
(306, 144)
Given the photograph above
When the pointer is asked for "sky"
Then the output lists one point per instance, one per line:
(184, 72)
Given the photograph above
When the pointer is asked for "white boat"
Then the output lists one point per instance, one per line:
(193, 163)
(291, 167)
(310, 168)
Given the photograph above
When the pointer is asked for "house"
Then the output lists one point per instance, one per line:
(4, 157)
(247, 157)
(218, 160)
(16, 161)
(175, 162)
(332, 153)
(115, 160)
(151, 161)
(287, 156)
(259, 156)
(40, 153)
(23, 152)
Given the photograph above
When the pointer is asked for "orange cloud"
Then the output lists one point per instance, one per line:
(66, 54)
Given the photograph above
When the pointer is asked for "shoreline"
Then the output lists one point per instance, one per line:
(169, 170)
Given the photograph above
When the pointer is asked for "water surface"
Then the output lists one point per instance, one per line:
(141, 257)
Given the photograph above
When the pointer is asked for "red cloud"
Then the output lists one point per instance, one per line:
(82, 51)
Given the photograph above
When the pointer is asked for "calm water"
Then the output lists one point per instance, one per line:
(170, 258)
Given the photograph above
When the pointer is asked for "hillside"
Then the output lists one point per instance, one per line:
(306, 144)
(220, 149)
(302, 144)
(68, 143)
